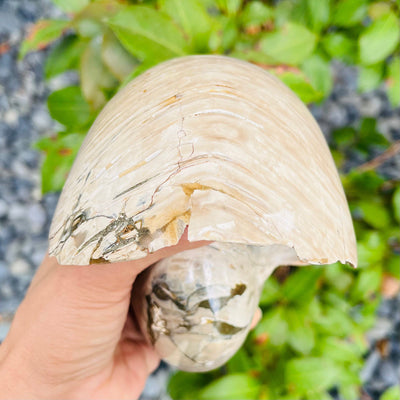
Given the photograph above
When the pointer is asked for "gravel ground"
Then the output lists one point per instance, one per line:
(25, 216)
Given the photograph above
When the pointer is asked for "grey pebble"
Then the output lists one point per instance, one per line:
(156, 385)
(3, 208)
(370, 106)
(36, 217)
(334, 115)
(371, 363)
(382, 328)
(20, 267)
(17, 212)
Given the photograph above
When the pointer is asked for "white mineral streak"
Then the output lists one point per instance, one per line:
(211, 142)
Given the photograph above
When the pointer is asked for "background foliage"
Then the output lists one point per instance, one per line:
(310, 341)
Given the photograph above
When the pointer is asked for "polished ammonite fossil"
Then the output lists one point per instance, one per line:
(222, 148)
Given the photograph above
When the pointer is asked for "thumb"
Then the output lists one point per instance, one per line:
(104, 281)
(73, 316)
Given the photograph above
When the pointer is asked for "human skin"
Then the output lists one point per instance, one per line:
(73, 336)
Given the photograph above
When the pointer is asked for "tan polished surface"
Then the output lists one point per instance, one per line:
(211, 142)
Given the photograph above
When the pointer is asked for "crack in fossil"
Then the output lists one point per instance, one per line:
(135, 186)
(163, 292)
(126, 229)
(158, 326)
(77, 218)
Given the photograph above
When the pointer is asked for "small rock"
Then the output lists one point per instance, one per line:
(20, 169)
(382, 328)
(3, 271)
(3, 208)
(370, 106)
(370, 365)
(41, 120)
(20, 267)
(11, 117)
(156, 384)
(390, 127)
(388, 373)
(36, 217)
(335, 115)
(17, 212)
(6, 291)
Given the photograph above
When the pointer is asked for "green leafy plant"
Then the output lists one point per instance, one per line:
(109, 42)
(311, 337)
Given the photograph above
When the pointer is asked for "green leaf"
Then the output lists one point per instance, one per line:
(185, 386)
(338, 45)
(289, 10)
(300, 333)
(231, 387)
(335, 299)
(318, 71)
(366, 182)
(230, 34)
(143, 67)
(255, 13)
(396, 204)
(88, 28)
(42, 34)
(369, 135)
(60, 154)
(393, 393)
(71, 6)
(301, 86)
(375, 214)
(118, 61)
(292, 44)
(370, 77)
(349, 12)
(367, 283)
(270, 292)
(319, 13)
(371, 249)
(393, 81)
(241, 362)
(339, 350)
(344, 137)
(230, 7)
(310, 375)
(273, 323)
(148, 34)
(95, 77)
(378, 9)
(338, 276)
(379, 40)
(68, 107)
(392, 266)
(192, 16)
(64, 56)
(349, 391)
(301, 286)
(335, 321)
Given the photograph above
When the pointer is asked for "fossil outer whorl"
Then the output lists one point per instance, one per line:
(210, 142)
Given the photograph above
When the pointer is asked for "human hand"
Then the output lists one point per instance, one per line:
(73, 338)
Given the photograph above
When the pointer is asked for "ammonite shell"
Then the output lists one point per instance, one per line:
(215, 144)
